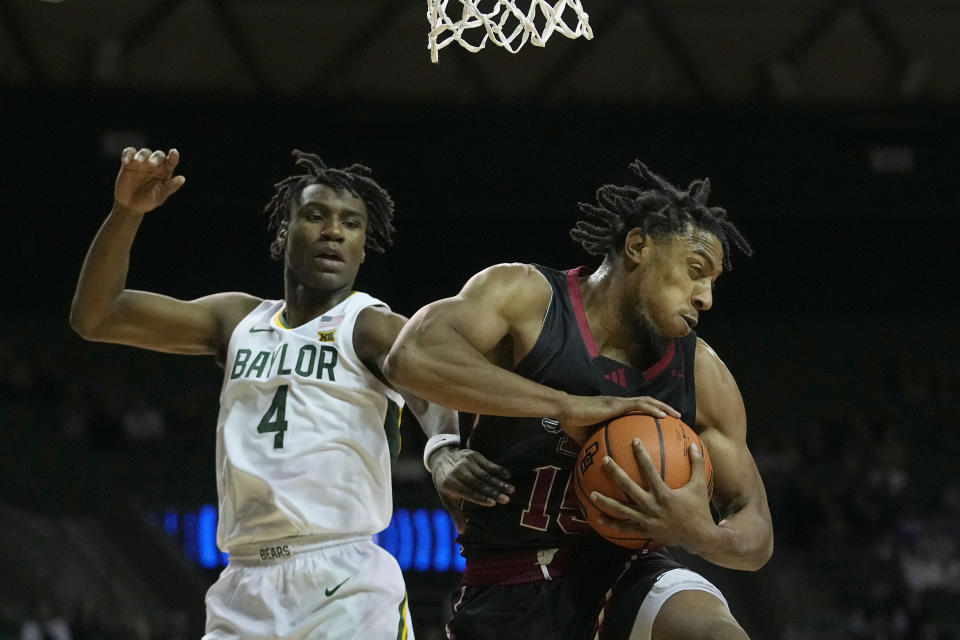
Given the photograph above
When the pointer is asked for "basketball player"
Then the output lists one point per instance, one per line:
(307, 424)
(541, 355)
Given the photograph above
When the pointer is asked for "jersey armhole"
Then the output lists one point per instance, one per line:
(251, 319)
(391, 394)
(543, 321)
(553, 295)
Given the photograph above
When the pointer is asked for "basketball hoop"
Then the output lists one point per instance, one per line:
(504, 24)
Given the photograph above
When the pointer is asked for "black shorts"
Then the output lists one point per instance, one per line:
(602, 578)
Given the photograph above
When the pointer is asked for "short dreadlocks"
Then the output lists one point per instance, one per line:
(658, 208)
(354, 179)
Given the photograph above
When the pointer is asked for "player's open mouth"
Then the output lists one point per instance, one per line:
(691, 322)
(330, 256)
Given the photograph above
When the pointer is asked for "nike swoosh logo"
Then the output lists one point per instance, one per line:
(330, 592)
(255, 330)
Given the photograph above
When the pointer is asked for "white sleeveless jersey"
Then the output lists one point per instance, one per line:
(305, 430)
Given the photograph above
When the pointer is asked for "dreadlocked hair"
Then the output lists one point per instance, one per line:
(355, 179)
(658, 208)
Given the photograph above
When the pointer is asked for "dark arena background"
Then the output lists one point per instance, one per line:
(830, 130)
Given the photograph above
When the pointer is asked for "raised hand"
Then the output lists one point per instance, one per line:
(146, 179)
(464, 474)
(679, 517)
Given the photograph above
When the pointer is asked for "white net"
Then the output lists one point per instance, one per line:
(503, 23)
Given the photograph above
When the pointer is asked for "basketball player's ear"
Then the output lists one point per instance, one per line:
(635, 245)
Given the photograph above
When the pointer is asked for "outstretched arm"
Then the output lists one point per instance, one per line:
(105, 310)
(460, 352)
(458, 474)
(743, 539)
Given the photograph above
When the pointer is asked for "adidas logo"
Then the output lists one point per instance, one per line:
(617, 377)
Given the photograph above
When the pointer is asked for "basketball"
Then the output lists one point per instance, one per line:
(667, 441)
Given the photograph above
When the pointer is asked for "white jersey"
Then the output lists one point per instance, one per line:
(304, 432)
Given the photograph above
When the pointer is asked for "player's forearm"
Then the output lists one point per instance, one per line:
(104, 273)
(742, 541)
(449, 372)
(433, 419)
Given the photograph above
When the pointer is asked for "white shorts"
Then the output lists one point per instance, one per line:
(668, 584)
(309, 589)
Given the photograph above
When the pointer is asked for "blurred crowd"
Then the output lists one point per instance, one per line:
(98, 407)
(43, 621)
(868, 497)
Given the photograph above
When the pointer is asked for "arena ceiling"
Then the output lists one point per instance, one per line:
(645, 52)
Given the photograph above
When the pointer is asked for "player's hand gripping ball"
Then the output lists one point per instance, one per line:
(667, 441)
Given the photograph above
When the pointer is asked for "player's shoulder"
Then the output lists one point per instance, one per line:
(362, 299)
(369, 308)
(716, 387)
(374, 332)
(230, 307)
(704, 350)
(517, 290)
(232, 300)
(708, 362)
(227, 310)
(376, 326)
(377, 315)
(510, 278)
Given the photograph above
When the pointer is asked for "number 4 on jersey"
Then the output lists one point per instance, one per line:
(274, 420)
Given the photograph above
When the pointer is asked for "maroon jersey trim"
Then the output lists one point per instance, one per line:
(660, 365)
(573, 286)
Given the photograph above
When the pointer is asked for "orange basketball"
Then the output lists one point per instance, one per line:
(667, 441)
